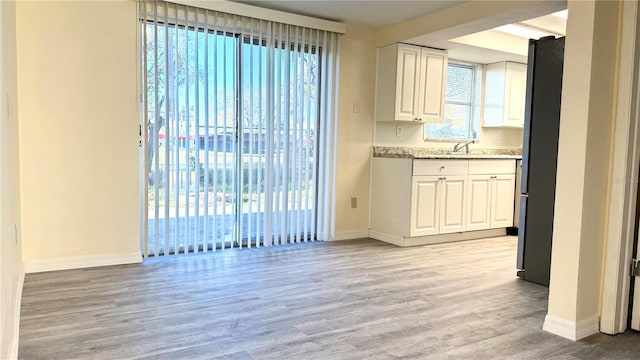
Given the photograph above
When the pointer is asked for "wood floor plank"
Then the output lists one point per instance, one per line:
(360, 299)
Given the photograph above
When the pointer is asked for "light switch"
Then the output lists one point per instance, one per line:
(356, 107)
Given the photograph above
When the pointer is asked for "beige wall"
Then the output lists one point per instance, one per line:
(413, 136)
(357, 86)
(78, 128)
(11, 270)
(584, 159)
(604, 74)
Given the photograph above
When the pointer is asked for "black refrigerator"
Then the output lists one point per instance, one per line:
(539, 158)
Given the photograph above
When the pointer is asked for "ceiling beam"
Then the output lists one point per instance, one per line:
(467, 18)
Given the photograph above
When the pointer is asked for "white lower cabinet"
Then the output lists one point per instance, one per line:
(452, 206)
(479, 207)
(491, 193)
(502, 195)
(427, 201)
(425, 205)
(437, 204)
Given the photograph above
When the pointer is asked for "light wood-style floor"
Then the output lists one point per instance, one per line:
(359, 299)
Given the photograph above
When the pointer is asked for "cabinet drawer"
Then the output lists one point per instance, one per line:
(490, 166)
(440, 167)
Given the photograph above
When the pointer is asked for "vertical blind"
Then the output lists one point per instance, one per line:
(239, 117)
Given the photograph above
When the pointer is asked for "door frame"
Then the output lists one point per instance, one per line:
(625, 169)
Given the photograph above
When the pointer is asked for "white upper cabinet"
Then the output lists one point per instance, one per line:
(505, 91)
(410, 83)
(407, 83)
(433, 70)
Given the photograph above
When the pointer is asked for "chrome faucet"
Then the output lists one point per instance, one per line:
(463, 145)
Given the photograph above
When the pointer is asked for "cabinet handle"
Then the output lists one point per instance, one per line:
(442, 178)
(442, 167)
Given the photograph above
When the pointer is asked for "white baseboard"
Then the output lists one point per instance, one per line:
(13, 348)
(350, 235)
(391, 239)
(453, 237)
(435, 239)
(82, 262)
(570, 329)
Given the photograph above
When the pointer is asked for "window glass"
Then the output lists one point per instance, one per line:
(461, 110)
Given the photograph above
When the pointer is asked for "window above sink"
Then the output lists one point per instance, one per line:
(463, 97)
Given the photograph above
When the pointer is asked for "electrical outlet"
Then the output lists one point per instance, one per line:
(354, 202)
(499, 137)
(399, 131)
(356, 107)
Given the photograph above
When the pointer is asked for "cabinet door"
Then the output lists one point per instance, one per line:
(516, 87)
(479, 202)
(406, 107)
(494, 95)
(433, 71)
(452, 205)
(503, 200)
(425, 205)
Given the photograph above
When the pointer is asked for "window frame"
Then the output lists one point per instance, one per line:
(477, 69)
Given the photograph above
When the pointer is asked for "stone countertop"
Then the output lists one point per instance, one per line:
(430, 153)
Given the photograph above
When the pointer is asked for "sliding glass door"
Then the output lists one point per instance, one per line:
(231, 122)
(278, 151)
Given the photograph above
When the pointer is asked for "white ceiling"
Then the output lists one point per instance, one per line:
(491, 45)
(368, 13)
(550, 23)
(478, 47)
